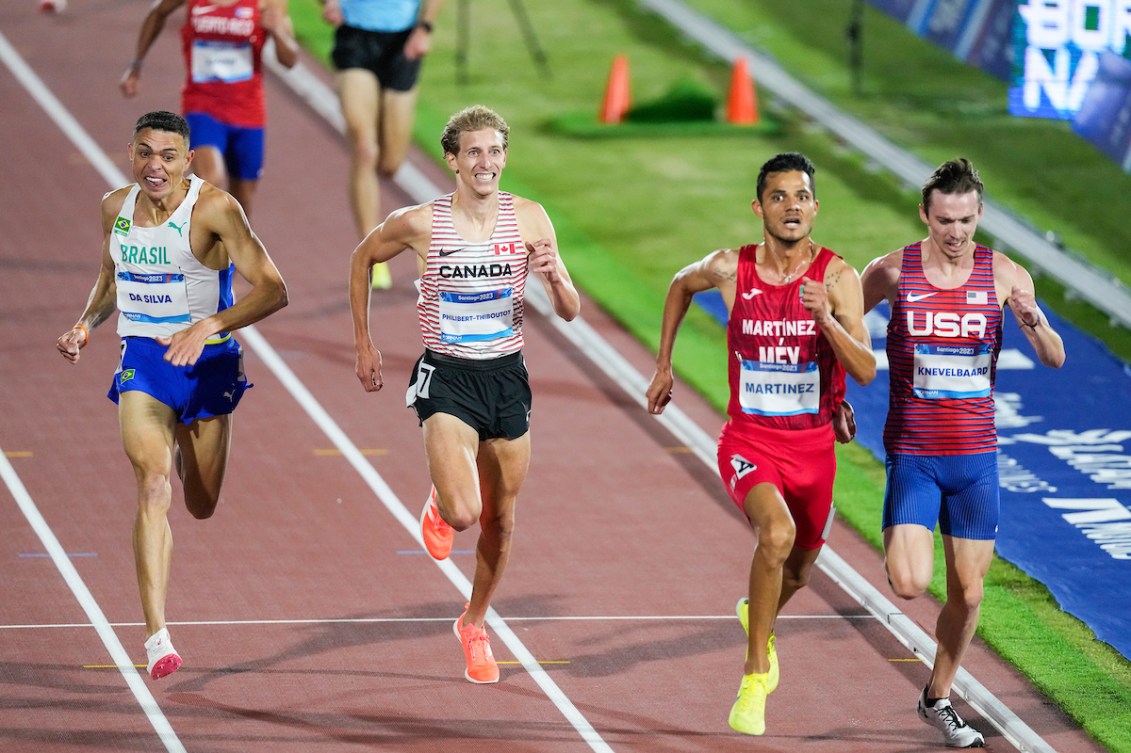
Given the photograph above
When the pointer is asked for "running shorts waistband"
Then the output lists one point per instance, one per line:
(475, 364)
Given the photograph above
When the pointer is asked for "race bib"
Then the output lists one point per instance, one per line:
(226, 62)
(155, 298)
(952, 371)
(779, 389)
(476, 317)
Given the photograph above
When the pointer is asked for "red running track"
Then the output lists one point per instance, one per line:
(307, 614)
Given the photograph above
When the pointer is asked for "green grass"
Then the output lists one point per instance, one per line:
(632, 207)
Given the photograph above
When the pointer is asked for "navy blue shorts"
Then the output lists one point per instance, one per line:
(211, 387)
(380, 52)
(492, 396)
(242, 147)
(960, 492)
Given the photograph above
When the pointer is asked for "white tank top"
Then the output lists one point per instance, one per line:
(162, 287)
(471, 294)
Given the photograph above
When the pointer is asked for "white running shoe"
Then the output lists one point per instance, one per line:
(943, 717)
(163, 658)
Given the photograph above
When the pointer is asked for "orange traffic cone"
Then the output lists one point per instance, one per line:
(617, 97)
(742, 105)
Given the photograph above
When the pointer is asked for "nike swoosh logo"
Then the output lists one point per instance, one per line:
(751, 293)
(449, 253)
(912, 298)
(200, 10)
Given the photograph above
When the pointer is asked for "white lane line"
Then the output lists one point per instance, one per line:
(27, 505)
(89, 605)
(302, 395)
(447, 620)
(412, 524)
(323, 101)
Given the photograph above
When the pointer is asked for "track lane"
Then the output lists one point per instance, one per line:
(299, 534)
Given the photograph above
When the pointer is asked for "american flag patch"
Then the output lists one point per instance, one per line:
(976, 297)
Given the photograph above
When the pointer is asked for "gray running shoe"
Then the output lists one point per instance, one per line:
(943, 717)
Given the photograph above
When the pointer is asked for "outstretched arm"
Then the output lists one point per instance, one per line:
(151, 27)
(276, 22)
(410, 227)
(103, 298)
(419, 42)
(716, 270)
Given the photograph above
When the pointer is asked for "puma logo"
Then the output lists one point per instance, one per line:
(178, 228)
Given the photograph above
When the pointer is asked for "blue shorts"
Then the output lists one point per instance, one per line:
(242, 147)
(211, 387)
(960, 492)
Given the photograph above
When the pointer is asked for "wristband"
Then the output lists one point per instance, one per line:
(85, 333)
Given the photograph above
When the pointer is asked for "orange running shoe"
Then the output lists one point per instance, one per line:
(436, 533)
(481, 666)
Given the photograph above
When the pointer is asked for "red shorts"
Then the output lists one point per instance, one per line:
(800, 463)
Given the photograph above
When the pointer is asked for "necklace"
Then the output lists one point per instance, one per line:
(805, 260)
(788, 276)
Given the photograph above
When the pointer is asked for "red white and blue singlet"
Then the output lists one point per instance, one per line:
(942, 347)
(223, 49)
(783, 373)
(471, 294)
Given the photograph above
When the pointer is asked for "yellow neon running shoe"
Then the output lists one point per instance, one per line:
(742, 608)
(748, 715)
(382, 277)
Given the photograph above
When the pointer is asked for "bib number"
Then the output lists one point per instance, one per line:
(779, 389)
(154, 298)
(421, 385)
(225, 62)
(952, 371)
(476, 317)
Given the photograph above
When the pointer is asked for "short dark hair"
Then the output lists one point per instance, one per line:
(163, 120)
(474, 118)
(953, 176)
(784, 163)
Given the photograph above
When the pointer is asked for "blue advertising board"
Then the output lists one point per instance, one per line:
(978, 32)
(1058, 46)
(1105, 117)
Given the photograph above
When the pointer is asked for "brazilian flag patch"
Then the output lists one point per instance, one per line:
(122, 226)
(126, 376)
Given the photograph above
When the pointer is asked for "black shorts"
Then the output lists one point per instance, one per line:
(381, 52)
(493, 396)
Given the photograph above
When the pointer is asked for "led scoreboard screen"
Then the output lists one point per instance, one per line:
(1057, 49)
